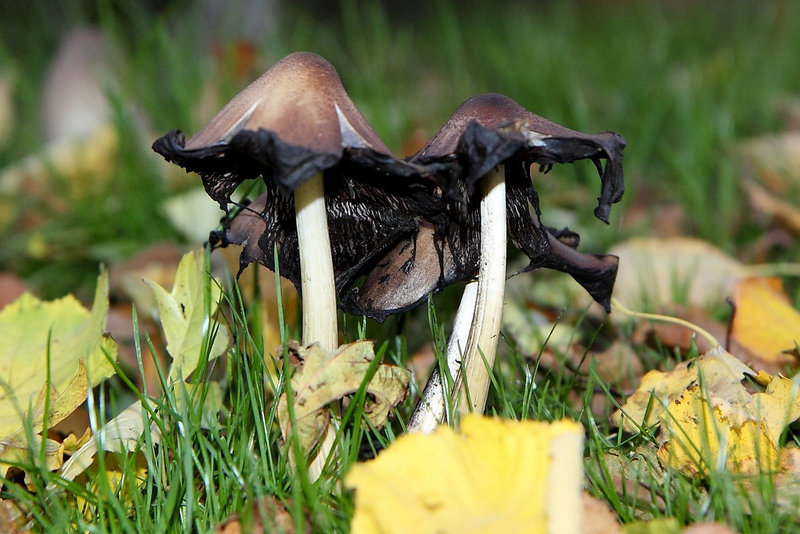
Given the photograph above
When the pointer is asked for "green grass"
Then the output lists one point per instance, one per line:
(684, 83)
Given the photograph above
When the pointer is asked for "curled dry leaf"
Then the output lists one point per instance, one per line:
(765, 325)
(324, 377)
(72, 338)
(492, 476)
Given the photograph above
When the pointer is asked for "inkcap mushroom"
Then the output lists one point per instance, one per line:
(485, 152)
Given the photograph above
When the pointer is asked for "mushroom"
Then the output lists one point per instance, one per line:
(483, 156)
(291, 126)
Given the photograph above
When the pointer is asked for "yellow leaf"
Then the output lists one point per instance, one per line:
(325, 377)
(118, 435)
(709, 420)
(29, 328)
(721, 373)
(765, 323)
(493, 476)
(706, 432)
(183, 316)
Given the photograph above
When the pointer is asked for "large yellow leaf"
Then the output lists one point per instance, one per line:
(765, 323)
(709, 420)
(183, 316)
(493, 476)
(29, 328)
(721, 373)
(328, 376)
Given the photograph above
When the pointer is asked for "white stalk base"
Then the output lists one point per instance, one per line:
(433, 406)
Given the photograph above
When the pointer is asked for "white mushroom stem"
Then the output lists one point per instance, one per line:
(432, 407)
(316, 265)
(318, 286)
(476, 329)
(472, 385)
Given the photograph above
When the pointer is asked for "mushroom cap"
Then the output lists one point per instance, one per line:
(489, 129)
(485, 131)
(294, 121)
(300, 99)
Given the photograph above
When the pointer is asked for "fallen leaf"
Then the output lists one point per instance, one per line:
(11, 288)
(773, 161)
(192, 213)
(324, 377)
(636, 477)
(720, 371)
(18, 450)
(184, 316)
(706, 432)
(72, 338)
(708, 420)
(121, 434)
(492, 476)
(656, 272)
(765, 324)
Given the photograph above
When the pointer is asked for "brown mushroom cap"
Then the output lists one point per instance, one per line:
(486, 131)
(300, 99)
(290, 124)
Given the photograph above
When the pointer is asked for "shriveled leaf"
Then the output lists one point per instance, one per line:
(122, 433)
(183, 316)
(721, 373)
(13, 519)
(654, 272)
(633, 476)
(77, 349)
(492, 476)
(328, 376)
(765, 323)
